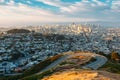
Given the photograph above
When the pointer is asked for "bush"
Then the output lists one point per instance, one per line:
(113, 67)
(40, 76)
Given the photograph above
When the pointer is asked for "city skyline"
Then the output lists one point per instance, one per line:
(33, 12)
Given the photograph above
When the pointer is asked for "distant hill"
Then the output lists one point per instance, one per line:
(18, 31)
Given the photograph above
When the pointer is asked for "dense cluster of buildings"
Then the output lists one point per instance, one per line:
(20, 51)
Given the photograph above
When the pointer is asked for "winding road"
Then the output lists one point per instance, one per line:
(55, 63)
(100, 61)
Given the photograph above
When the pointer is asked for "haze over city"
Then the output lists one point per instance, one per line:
(36, 12)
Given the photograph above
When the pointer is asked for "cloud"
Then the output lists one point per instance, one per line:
(13, 13)
(2, 0)
(102, 11)
(11, 2)
(116, 5)
(56, 3)
(29, 2)
(86, 5)
(23, 14)
(99, 3)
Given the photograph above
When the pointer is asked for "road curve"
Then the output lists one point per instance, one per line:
(100, 61)
(55, 63)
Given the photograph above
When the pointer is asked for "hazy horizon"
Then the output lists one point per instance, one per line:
(101, 23)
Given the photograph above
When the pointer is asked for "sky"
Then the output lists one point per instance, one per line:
(31, 12)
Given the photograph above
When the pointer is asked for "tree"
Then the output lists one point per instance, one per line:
(115, 56)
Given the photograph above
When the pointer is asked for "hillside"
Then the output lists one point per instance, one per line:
(18, 31)
(82, 75)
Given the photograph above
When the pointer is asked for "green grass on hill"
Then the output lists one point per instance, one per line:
(112, 66)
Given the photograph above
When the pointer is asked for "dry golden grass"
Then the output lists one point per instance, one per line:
(82, 75)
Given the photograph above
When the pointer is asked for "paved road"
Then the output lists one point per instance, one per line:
(100, 61)
(55, 63)
(12, 74)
